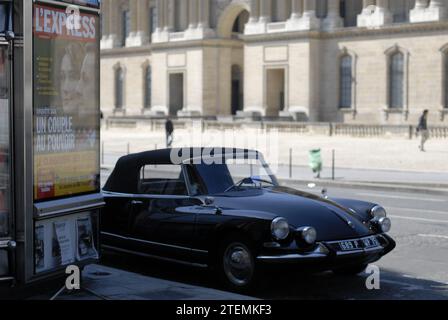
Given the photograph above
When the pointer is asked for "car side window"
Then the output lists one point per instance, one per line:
(162, 180)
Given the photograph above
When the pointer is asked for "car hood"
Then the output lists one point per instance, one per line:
(331, 220)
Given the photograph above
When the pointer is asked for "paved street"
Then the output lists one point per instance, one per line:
(417, 269)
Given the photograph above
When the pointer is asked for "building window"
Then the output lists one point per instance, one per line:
(396, 80)
(152, 20)
(119, 88)
(322, 8)
(148, 87)
(126, 26)
(346, 81)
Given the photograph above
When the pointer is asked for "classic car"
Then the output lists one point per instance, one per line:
(225, 209)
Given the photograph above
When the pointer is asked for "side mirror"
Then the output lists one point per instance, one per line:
(209, 201)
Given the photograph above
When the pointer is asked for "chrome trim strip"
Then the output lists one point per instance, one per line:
(356, 239)
(347, 253)
(297, 256)
(3, 279)
(144, 196)
(155, 257)
(154, 243)
(320, 252)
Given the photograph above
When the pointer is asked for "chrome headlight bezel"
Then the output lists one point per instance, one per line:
(384, 224)
(280, 229)
(378, 212)
(308, 235)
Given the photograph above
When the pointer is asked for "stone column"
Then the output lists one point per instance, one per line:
(131, 40)
(385, 16)
(265, 11)
(254, 11)
(168, 8)
(134, 17)
(333, 19)
(309, 20)
(204, 14)
(143, 22)
(113, 25)
(161, 34)
(193, 14)
(296, 9)
(105, 18)
(105, 26)
(160, 22)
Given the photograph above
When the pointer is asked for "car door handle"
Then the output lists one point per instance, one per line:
(137, 203)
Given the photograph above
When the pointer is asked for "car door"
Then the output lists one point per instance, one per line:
(158, 225)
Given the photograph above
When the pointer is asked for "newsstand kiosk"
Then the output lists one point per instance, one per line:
(49, 138)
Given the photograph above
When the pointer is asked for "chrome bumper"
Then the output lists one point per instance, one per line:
(323, 251)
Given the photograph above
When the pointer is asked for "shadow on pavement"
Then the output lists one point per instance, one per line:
(290, 286)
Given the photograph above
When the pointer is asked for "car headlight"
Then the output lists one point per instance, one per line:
(384, 224)
(280, 228)
(378, 212)
(308, 234)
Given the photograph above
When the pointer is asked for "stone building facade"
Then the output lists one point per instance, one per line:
(354, 61)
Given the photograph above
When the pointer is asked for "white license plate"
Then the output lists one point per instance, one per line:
(352, 245)
(371, 242)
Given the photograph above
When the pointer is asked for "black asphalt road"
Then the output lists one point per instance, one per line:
(417, 269)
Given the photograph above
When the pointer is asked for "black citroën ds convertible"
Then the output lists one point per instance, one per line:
(225, 209)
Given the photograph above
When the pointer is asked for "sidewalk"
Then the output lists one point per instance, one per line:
(104, 283)
(387, 162)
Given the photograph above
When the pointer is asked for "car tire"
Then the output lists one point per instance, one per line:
(351, 271)
(236, 264)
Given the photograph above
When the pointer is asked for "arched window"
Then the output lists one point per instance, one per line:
(119, 88)
(148, 87)
(125, 25)
(396, 80)
(346, 81)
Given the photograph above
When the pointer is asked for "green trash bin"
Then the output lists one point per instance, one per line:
(316, 162)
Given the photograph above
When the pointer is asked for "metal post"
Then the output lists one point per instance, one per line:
(290, 163)
(102, 154)
(333, 177)
(129, 148)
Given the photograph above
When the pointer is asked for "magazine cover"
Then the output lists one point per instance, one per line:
(39, 249)
(86, 241)
(63, 242)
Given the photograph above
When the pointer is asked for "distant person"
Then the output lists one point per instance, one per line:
(422, 129)
(169, 129)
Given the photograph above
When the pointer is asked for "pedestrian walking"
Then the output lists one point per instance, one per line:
(169, 130)
(422, 130)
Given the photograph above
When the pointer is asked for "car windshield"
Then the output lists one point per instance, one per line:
(232, 174)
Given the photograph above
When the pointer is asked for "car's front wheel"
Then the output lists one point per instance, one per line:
(351, 271)
(237, 265)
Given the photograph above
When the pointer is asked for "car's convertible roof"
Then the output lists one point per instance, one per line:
(125, 177)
